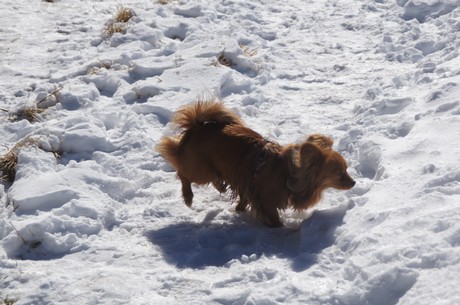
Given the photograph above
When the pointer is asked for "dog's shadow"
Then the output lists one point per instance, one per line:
(198, 245)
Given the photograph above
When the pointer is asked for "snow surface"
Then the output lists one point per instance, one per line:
(105, 223)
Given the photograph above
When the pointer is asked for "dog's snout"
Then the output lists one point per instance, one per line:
(348, 182)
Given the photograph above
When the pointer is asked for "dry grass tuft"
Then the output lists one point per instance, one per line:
(222, 60)
(30, 113)
(112, 28)
(248, 51)
(8, 301)
(124, 14)
(8, 166)
(119, 22)
(96, 68)
(50, 100)
(9, 160)
(101, 65)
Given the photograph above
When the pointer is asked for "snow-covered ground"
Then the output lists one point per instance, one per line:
(104, 222)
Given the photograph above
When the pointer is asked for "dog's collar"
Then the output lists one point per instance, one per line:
(260, 161)
(262, 158)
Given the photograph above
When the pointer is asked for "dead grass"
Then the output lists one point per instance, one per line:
(124, 14)
(96, 68)
(114, 27)
(32, 112)
(8, 301)
(29, 112)
(103, 65)
(9, 160)
(248, 51)
(51, 98)
(119, 22)
(222, 60)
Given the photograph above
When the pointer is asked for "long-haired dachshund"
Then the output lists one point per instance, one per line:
(216, 147)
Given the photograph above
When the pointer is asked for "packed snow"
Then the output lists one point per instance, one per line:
(95, 216)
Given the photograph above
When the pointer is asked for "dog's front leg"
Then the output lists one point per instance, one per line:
(242, 203)
(268, 214)
(220, 185)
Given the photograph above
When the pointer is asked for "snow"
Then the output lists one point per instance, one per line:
(94, 215)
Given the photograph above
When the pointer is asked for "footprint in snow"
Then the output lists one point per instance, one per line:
(383, 107)
(177, 31)
(392, 106)
(448, 184)
(400, 131)
(388, 287)
(422, 10)
(447, 106)
(164, 115)
(444, 90)
(369, 158)
(192, 11)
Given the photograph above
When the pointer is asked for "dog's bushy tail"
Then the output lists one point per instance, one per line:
(169, 149)
(203, 112)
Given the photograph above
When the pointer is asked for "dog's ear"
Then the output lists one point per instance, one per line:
(321, 140)
(304, 156)
(310, 155)
(306, 163)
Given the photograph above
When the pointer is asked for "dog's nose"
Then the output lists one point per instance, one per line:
(352, 183)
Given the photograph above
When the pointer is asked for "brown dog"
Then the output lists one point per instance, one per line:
(216, 147)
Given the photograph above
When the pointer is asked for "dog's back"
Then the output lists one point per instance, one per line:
(191, 118)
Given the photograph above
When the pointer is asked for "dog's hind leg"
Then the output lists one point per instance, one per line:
(186, 191)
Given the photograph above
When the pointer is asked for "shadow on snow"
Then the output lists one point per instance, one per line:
(198, 245)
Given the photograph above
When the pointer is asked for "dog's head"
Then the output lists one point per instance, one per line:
(314, 167)
(334, 173)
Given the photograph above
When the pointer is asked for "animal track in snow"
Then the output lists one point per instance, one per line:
(164, 115)
(386, 288)
(176, 32)
(392, 106)
(447, 106)
(389, 287)
(444, 90)
(401, 130)
(369, 158)
(448, 184)
(429, 168)
(150, 67)
(141, 93)
(193, 11)
(428, 47)
(421, 10)
(454, 238)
